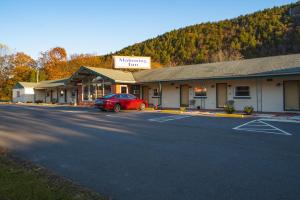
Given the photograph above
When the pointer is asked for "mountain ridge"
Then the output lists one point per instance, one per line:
(270, 32)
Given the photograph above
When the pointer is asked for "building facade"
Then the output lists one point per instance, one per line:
(270, 84)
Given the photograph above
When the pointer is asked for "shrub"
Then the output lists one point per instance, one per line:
(39, 101)
(248, 110)
(28, 101)
(229, 109)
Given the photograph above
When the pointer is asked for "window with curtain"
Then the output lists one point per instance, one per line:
(200, 92)
(242, 91)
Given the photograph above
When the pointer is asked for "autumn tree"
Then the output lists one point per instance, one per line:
(54, 63)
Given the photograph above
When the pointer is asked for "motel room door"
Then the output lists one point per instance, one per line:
(221, 95)
(291, 95)
(145, 91)
(184, 95)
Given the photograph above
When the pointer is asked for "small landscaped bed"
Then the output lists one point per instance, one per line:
(23, 180)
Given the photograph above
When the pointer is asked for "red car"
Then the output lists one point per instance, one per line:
(116, 102)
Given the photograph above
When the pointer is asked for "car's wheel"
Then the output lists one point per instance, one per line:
(142, 106)
(117, 108)
(102, 109)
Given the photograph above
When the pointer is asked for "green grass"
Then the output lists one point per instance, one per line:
(21, 181)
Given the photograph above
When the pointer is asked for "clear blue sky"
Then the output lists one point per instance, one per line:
(103, 26)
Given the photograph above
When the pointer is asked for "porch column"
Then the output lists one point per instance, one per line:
(75, 99)
(102, 87)
(89, 90)
(160, 95)
(96, 91)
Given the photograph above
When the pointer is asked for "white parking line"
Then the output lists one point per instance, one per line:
(168, 118)
(260, 127)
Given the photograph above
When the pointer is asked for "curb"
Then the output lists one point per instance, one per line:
(230, 115)
(171, 111)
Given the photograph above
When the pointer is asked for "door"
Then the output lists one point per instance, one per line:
(221, 95)
(291, 95)
(66, 96)
(145, 91)
(184, 95)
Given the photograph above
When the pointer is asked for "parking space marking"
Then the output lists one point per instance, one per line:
(260, 127)
(168, 118)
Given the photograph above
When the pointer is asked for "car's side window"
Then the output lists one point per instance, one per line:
(123, 96)
(130, 96)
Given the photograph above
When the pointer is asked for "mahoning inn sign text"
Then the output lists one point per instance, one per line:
(132, 62)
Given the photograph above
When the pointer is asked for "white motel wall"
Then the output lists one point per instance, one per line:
(265, 94)
(269, 84)
(23, 94)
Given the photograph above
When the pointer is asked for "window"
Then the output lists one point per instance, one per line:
(85, 92)
(108, 96)
(155, 92)
(73, 93)
(200, 92)
(124, 89)
(18, 94)
(135, 89)
(92, 92)
(242, 91)
(130, 96)
(123, 96)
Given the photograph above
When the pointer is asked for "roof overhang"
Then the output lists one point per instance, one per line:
(252, 76)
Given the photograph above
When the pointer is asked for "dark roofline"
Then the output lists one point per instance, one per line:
(225, 77)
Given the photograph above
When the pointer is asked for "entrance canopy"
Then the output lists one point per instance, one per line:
(108, 75)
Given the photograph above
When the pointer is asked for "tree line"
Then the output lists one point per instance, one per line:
(269, 32)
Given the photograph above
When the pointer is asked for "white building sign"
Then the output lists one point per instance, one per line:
(132, 62)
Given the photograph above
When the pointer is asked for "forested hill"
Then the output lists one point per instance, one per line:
(265, 33)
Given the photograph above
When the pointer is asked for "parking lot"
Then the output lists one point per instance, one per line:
(150, 155)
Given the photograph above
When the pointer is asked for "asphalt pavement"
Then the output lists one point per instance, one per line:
(156, 156)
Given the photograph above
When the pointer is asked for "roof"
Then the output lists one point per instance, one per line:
(42, 84)
(257, 67)
(52, 83)
(27, 84)
(266, 66)
(115, 75)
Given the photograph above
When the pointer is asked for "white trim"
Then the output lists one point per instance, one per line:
(120, 87)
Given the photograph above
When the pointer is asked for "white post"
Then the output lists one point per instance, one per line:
(89, 90)
(75, 100)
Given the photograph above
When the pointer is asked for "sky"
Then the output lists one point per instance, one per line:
(104, 26)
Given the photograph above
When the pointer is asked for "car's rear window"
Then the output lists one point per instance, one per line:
(108, 96)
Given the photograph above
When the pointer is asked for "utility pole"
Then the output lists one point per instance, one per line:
(37, 75)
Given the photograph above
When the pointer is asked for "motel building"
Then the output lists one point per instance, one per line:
(269, 84)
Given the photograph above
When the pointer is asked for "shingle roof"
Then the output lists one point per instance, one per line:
(116, 75)
(274, 65)
(266, 66)
(44, 84)
(52, 83)
(27, 84)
